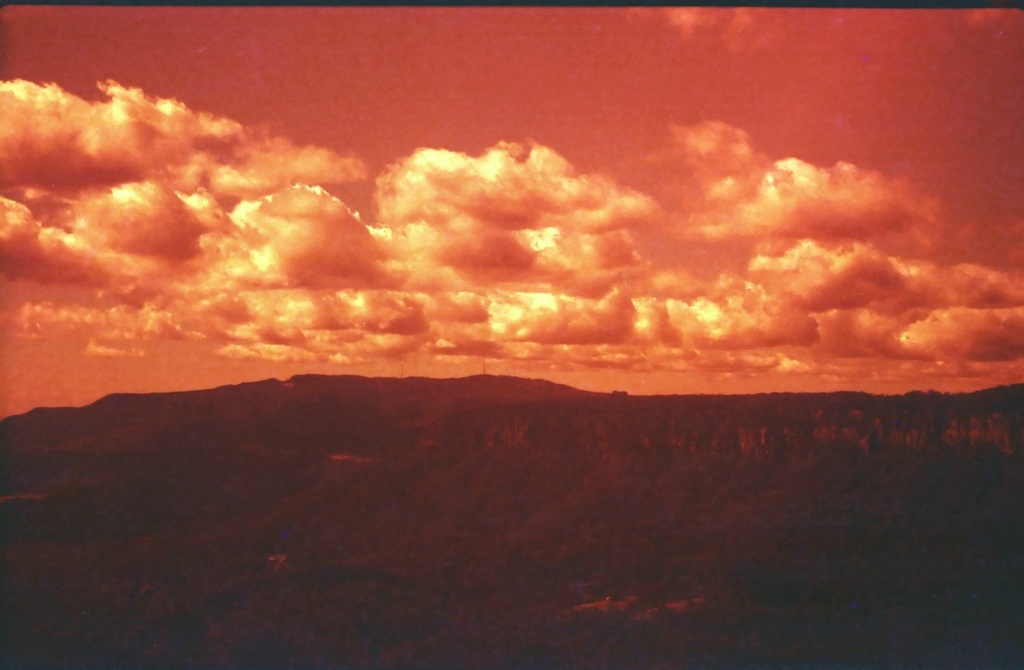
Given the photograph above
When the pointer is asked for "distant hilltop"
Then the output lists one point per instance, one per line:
(396, 411)
(479, 387)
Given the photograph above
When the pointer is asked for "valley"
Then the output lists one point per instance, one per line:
(491, 522)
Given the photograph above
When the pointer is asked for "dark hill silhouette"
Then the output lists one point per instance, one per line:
(495, 522)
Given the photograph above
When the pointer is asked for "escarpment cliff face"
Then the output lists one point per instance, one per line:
(773, 425)
(495, 522)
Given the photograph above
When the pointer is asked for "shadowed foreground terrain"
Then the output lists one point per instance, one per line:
(494, 522)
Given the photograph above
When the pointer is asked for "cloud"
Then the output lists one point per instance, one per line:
(29, 251)
(138, 211)
(302, 236)
(844, 276)
(120, 322)
(972, 285)
(53, 139)
(270, 164)
(999, 243)
(517, 216)
(729, 192)
(94, 349)
(739, 28)
(545, 318)
(967, 334)
(819, 278)
(128, 193)
(742, 315)
(184, 225)
(861, 333)
(716, 151)
(510, 187)
(463, 307)
(795, 199)
(142, 219)
(131, 235)
(278, 353)
(301, 324)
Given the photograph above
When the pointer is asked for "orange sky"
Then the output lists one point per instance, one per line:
(662, 201)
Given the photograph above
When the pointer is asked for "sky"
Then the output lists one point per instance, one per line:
(672, 200)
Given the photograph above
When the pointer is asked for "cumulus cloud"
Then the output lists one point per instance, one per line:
(718, 153)
(30, 251)
(289, 272)
(972, 285)
(818, 278)
(844, 266)
(966, 333)
(184, 225)
(301, 324)
(129, 191)
(141, 219)
(302, 236)
(745, 196)
(741, 316)
(545, 318)
(510, 187)
(53, 139)
(868, 303)
(130, 195)
(862, 333)
(270, 164)
(516, 215)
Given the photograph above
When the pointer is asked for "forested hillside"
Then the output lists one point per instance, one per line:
(494, 522)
